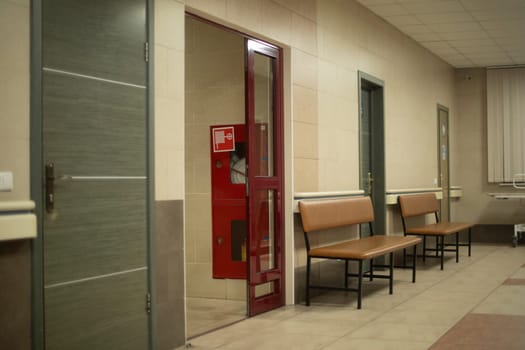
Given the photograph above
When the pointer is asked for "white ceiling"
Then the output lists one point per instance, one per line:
(465, 33)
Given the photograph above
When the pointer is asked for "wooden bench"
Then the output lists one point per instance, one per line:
(326, 214)
(426, 203)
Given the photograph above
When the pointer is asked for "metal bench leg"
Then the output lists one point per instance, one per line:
(424, 248)
(391, 276)
(346, 273)
(469, 241)
(308, 281)
(457, 247)
(414, 265)
(437, 246)
(442, 250)
(360, 284)
(371, 270)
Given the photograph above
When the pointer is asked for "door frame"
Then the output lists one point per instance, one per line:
(378, 146)
(445, 109)
(287, 251)
(37, 173)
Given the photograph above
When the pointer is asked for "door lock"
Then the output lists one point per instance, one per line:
(50, 187)
(370, 181)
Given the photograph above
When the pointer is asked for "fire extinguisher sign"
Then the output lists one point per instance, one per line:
(223, 139)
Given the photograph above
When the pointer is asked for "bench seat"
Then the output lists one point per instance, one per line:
(321, 215)
(441, 228)
(418, 205)
(364, 248)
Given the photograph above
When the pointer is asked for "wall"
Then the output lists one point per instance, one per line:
(471, 135)
(15, 256)
(168, 51)
(214, 96)
(329, 42)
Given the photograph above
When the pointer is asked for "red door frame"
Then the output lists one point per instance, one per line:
(257, 183)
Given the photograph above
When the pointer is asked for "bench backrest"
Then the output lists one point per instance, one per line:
(332, 213)
(418, 204)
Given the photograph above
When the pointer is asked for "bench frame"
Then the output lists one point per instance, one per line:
(360, 273)
(440, 236)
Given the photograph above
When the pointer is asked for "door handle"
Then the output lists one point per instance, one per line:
(370, 180)
(50, 187)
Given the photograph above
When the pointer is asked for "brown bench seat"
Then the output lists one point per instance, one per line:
(326, 214)
(426, 203)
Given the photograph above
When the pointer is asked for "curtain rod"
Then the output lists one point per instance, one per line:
(507, 67)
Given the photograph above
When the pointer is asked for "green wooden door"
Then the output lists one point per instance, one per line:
(95, 139)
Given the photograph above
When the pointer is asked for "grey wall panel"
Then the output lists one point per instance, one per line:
(170, 274)
(93, 127)
(96, 37)
(15, 295)
(97, 228)
(107, 313)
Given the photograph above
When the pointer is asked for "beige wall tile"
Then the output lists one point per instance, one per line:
(304, 34)
(14, 97)
(236, 289)
(215, 8)
(276, 22)
(198, 212)
(306, 8)
(169, 24)
(304, 104)
(203, 240)
(304, 69)
(305, 175)
(245, 13)
(305, 140)
(201, 283)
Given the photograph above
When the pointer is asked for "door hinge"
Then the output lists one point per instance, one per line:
(148, 303)
(146, 51)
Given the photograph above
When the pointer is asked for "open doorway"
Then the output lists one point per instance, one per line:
(233, 176)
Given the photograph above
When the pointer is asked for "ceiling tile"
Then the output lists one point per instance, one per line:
(415, 29)
(388, 10)
(463, 35)
(476, 5)
(455, 27)
(480, 50)
(427, 7)
(463, 32)
(403, 20)
(448, 17)
(376, 2)
(502, 14)
(472, 42)
(425, 37)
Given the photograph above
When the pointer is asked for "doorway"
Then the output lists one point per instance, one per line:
(93, 170)
(443, 162)
(233, 163)
(372, 148)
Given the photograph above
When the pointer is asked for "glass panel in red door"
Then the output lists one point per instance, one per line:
(265, 164)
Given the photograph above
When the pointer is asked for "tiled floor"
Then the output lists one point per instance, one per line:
(476, 304)
(204, 314)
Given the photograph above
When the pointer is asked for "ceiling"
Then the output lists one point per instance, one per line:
(464, 33)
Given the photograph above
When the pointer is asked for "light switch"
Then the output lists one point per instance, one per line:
(6, 181)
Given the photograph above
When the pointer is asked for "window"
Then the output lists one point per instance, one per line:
(505, 123)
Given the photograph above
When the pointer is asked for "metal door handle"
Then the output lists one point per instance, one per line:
(50, 187)
(370, 182)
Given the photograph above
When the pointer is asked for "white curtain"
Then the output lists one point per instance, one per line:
(505, 123)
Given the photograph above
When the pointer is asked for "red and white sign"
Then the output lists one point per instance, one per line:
(223, 139)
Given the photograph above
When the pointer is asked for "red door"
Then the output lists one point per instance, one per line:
(265, 172)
